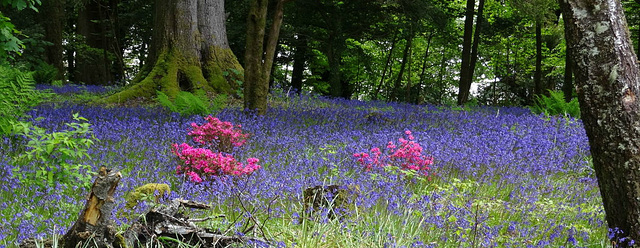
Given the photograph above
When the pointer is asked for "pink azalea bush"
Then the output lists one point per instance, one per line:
(407, 155)
(200, 164)
(218, 133)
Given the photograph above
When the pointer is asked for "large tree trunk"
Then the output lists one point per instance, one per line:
(608, 86)
(54, 20)
(469, 49)
(259, 58)
(189, 51)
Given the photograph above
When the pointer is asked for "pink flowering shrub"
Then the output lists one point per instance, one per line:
(200, 164)
(218, 133)
(407, 155)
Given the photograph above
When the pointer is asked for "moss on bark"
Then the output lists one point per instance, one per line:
(173, 72)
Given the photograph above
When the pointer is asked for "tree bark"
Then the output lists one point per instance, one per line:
(441, 83)
(334, 58)
(567, 86)
(424, 63)
(469, 49)
(608, 86)
(95, 60)
(189, 52)
(95, 223)
(259, 58)
(299, 59)
(384, 70)
(537, 75)
(395, 92)
(54, 20)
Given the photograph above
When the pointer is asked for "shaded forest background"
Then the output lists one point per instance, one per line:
(419, 51)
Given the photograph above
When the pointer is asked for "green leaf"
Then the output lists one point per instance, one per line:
(452, 218)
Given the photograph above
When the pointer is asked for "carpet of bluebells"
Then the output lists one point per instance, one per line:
(501, 177)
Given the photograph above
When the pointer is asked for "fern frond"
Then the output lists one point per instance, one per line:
(163, 99)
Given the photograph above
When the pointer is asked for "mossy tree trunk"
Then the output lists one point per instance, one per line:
(189, 51)
(258, 57)
(608, 86)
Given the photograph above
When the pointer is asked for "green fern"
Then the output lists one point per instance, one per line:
(555, 104)
(17, 95)
(163, 99)
(187, 103)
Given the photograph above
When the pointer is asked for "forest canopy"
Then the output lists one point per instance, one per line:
(400, 50)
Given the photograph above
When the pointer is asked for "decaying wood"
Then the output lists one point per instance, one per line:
(169, 221)
(335, 199)
(95, 227)
(95, 224)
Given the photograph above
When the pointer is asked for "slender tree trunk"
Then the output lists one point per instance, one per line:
(253, 74)
(258, 62)
(409, 82)
(189, 51)
(463, 90)
(93, 65)
(441, 89)
(608, 86)
(425, 58)
(54, 20)
(334, 58)
(469, 49)
(537, 76)
(384, 70)
(476, 43)
(567, 86)
(299, 59)
(395, 92)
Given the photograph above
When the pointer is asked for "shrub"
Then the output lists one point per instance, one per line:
(406, 156)
(200, 164)
(50, 156)
(555, 104)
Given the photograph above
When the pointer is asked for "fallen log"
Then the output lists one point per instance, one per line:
(167, 221)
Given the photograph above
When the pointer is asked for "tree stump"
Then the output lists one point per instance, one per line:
(336, 200)
(95, 224)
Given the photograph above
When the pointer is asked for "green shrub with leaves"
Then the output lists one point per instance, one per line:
(51, 157)
(235, 76)
(555, 104)
(17, 95)
(187, 103)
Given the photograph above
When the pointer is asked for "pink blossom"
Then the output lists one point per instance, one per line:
(407, 156)
(200, 164)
